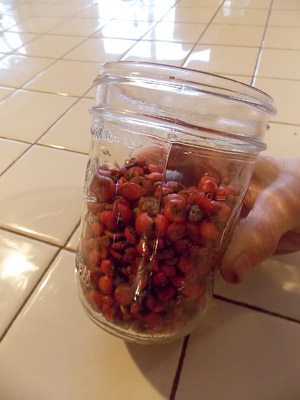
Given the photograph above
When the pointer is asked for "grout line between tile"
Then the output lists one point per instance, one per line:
(179, 368)
(202, 33)
(16, 232)
(284, 123)
(256, 308)
(261, 45)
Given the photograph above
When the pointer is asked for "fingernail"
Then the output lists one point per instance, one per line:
(241, 266)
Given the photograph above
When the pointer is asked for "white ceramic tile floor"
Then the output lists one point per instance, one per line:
(16, 70)
(197, 3)
(223, 59)
(233, 35)
(286, 5)
(28, 9)
(100, 50)
(241, 354)
(140, 13)
(22, 263)
(79, 27)
(278, 37)
(72, 131)
(63, 10)
(124, 29)
(246, 4)
(277, 286)
(36, 113)
(74, 240)
(98, 10)
(72, 78)
(190, 15)
(241, 16)
(53, 46)
(10, 150)
(283, 140)
(288, 68)
(47, 201)
(53, 50)
(50, 342)
(37, 24)
(286, 94)
(286, 18)
(176, 32)
(9, 22)
(10, 41)
(4, 92)
(160, 52)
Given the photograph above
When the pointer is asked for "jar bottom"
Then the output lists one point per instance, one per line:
(132, 336)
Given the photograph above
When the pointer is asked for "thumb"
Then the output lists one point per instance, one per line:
(255, 238)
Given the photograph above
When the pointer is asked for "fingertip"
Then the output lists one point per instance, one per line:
(229, 275)
(237, 270)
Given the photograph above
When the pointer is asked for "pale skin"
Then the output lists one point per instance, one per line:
(270, 220)
(272, 223)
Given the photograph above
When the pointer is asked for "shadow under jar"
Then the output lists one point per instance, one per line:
(171, 157)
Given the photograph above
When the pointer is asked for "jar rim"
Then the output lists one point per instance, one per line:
(201, 81)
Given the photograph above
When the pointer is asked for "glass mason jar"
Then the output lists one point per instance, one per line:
(172, 153)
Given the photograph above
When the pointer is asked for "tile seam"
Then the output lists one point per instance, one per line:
(256, 308)
(261, 46)
(179, 368)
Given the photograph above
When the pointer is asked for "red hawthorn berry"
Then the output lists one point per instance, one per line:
(144, 225)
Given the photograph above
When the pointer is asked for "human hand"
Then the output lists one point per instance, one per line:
(272, 222)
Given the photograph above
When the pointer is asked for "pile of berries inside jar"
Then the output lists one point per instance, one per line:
(149, 245)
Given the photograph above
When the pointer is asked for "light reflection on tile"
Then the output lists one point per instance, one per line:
(100, 50)
(16, 70)
(141, 13)
(22, 262)
(10, 41)
(241, 16)
(190, 15)
(197, 3)
(53, 46)
(37, 24)
(163, 52)
(263, 4)
(124, 29)
(78, 27)
(175, 32)
(7, 22)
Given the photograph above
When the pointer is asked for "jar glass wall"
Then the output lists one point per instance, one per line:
(171, 157)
